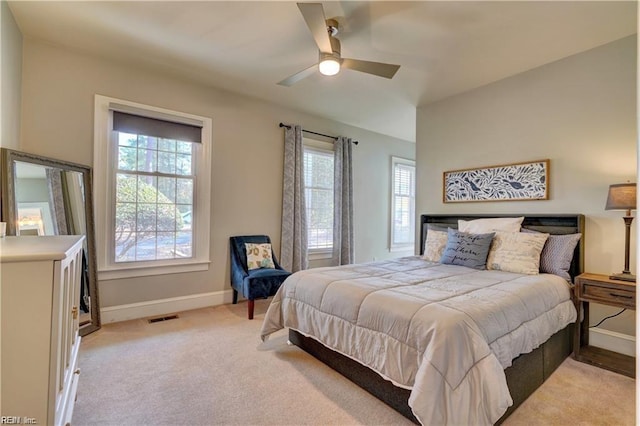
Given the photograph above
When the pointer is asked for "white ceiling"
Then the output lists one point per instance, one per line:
(444, 48)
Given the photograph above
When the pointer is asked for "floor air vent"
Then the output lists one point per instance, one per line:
(167, 318)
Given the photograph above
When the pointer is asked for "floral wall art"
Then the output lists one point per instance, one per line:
(509, 182)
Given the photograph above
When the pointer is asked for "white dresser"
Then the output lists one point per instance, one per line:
(39, 300)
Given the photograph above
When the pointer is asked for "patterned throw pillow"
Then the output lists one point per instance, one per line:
(259, 256)
(434, 245)
(465, 249)
(557, 253)
(478, 226)
(516, 252)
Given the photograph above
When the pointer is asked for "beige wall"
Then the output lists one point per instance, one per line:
(57, 121)
(10, 78)
(579, 112)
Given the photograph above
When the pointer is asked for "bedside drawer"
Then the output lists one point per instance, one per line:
(599, 288)
(598, 292)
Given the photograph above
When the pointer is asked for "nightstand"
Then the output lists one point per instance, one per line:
(601, 289)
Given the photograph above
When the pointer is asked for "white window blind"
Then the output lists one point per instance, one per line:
(318, 184)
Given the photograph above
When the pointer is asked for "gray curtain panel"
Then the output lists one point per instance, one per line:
(343, 203)
(56, 200)
(293, 242)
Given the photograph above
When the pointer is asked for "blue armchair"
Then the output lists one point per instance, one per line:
(256, 283)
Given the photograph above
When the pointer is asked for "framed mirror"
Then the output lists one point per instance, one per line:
(44, 196)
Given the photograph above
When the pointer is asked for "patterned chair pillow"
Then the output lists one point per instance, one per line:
(259, 256)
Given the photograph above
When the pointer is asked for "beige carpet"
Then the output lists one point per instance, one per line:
(209, 368)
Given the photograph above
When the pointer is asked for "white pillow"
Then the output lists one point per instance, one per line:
(434, 245)
(516, 252)
(481, 226)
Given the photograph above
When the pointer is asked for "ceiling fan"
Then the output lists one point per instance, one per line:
(324, 32)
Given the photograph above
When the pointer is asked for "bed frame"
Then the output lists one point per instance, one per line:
(527, 372)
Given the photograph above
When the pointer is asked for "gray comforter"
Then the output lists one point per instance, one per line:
(445, 332)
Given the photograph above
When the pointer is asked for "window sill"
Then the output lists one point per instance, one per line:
(320, 254)
(150, 270)
(395, 249)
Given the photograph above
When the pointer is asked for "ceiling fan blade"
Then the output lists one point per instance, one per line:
(375, 68)
(313, 15)
(291, 80)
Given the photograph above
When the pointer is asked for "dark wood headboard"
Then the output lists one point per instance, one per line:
(552, 224)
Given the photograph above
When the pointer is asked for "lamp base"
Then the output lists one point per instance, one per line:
(623, 277)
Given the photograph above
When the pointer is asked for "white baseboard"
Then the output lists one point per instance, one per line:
(164, 306)
(617, 342)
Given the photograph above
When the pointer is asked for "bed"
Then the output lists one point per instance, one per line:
(433, 356)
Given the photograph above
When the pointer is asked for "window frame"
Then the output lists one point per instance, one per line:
(325, 147)
(105, 158)
(395, 161)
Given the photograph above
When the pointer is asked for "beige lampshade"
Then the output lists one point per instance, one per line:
(622, 196)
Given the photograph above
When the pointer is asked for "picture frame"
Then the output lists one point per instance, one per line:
(506, 182)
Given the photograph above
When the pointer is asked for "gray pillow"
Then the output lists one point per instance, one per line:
(557, 254)
(466, 249)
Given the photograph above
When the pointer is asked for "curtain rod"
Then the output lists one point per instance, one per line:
(316, 133)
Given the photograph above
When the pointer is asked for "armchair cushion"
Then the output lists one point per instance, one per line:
(259, 256)
(262, 283)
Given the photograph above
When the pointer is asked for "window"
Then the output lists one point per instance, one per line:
(318, 192)
(154, 196)
(152, 174)
(402, 203)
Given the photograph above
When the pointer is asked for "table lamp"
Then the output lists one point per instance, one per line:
(622, 196)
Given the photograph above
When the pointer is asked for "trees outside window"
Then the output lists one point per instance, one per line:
(154, 193)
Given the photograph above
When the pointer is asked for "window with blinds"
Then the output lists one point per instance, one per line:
(152, 175)
(154, 197)
(318, 191)
(403, 203)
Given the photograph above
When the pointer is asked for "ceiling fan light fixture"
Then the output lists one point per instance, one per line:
(330, 59)
(329, 66)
